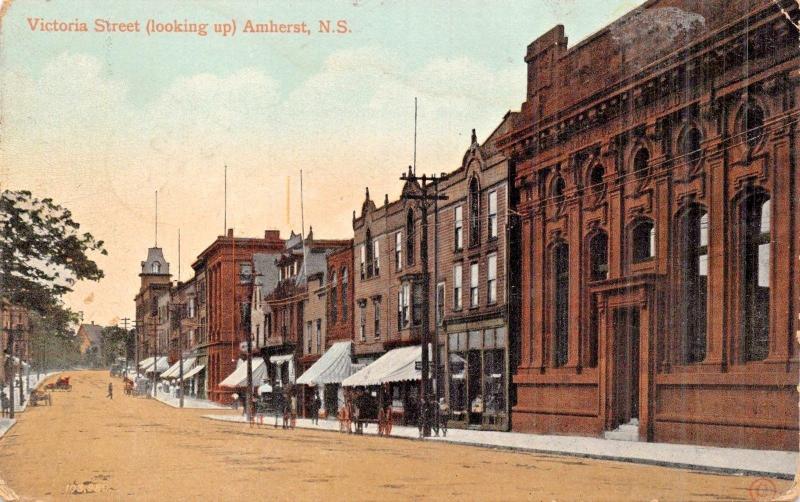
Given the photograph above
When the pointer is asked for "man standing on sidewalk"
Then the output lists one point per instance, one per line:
(110, 394)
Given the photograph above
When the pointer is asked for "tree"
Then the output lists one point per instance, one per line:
(43, 253)
(115, 342)
(53, 341)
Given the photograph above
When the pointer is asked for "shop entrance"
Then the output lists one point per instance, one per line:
(626, 366)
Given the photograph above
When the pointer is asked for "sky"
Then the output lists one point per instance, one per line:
(101, 121)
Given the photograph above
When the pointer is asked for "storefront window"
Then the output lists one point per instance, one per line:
(458, 372)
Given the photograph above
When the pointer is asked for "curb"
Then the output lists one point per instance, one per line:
(25, 407)
(729, 471)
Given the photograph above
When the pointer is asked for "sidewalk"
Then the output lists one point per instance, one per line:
(189, 402)
(7, 423)
(769, 463)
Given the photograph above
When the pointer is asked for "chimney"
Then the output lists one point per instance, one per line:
(230, 232)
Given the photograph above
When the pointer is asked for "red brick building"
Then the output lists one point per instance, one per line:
(227, 265)
(658, 190)
(155, 282)
(340, 295)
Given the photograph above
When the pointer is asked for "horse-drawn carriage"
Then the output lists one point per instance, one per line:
(129, 386)
(41, 397)
(61, 384)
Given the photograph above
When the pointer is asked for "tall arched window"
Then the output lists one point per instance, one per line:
(410, 237)
(596, 175)
(691, 146)
(560, 304)
(641, 163)
(692, 301)
(643, 241)
(753, 124)
(598, 257)
(369, 251)
(474, 213)
(754, 255)
(332, 297)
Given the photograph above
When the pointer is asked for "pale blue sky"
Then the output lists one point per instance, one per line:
(99, 122)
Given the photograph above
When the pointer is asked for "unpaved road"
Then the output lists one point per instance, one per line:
(140, 449)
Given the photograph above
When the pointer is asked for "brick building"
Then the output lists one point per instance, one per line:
(16, 318)
(227, 265)
(155, 282)
(660, 290)
(340, 296)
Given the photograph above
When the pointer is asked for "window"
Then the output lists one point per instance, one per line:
(417, 307)
(474, 213)
(493, 214)
(155, 267)
(753, 124)
(245, 273)
(370, 258)
(643, 241)
(473, 285)
(755, 247)
(398, 250)
(363, 262)
(362, 327)
(558, 189)
(308, 337)
(640, 163)
(332, 298)
(596, 177)
(690, 146)
(457, 276)
(440, 289)
(344, 294)
(319, 336)
(377, 306)
(693, 286)
(459, 228)
(598, 257)
(191, 309)
(410, 235)
(560, 304)
(491, 278)
(376, 257)
(403, 300)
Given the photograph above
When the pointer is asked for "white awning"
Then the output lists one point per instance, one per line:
(159, 366)
(146, 362)
(239, 376)
(281, 359)
(397, 365)
(192, 372)
(264, 388)
(333, 367)
(174, 371)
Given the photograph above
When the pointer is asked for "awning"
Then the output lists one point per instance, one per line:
(397, 365)
(174, 371)
(264, 388)
(333, 367)
(192, 372)
(146, 362)
(239, 376)
(281, 359)
(159, 366)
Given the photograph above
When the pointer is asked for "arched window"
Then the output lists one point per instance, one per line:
(596, 175)
(474, 213)
(643, 241)
(156, 267)
(753, 124)
(344, 294)
(754, 255)
(691, 146)
(369, 251)
(560, 304)
(410, 237)
(692, 301)
(558, 188)
(641, 163)
(332, 297)
(598, 257)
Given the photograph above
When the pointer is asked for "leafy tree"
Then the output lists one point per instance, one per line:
(115, 342)
(43, 252)
(52, 340)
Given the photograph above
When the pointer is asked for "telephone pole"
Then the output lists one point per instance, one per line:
(125, 321)
(428, 194)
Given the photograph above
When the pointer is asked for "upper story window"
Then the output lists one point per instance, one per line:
(440, 303)
(474, 213)
(363, 262)
(643, 241)
(245, 273)
(753, 124)
(155, 267)
(398, 250)
(692, 300)
(598, 257)
(190, 308)
(308, 337)
(641, 163)
(334, 314)
(493, 214)
(755, 243)
(491, 278)
(362, 325)
(344, 294)
(473, 284)
(403, 301)
(377, 306)
(319, 336)
(458, 217)
(376, 257)
(370, 258)
(691, 148)
(410, 237)
(457, 278)
(596, 179)
(418, 298)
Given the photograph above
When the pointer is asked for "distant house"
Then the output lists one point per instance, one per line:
(89, 335)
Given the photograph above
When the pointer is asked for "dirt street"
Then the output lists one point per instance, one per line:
(89, 447)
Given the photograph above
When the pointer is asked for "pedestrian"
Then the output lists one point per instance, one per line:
(315, 407)
(235, 402)
(4, 403)
(294, 410)
(286, 412)
(110, 394)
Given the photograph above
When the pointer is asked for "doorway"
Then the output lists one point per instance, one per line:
(626, 364)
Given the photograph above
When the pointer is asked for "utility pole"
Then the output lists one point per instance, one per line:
(125, 322)
(425, 198)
